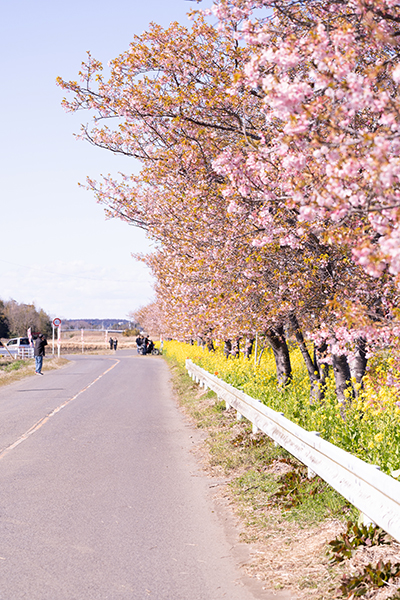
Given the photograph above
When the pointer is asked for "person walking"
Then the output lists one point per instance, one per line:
(39, 353)
(111, 342)
(115, 343)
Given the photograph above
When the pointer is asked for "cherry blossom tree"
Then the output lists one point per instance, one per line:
(174, 115)
(231, 136)
(327, 76)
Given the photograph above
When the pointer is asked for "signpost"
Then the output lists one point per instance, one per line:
(57, 323)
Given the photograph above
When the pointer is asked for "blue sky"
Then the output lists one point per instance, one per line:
(56, 247)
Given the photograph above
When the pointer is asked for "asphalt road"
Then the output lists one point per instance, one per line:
(100, 494)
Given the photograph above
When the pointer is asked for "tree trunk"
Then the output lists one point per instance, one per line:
(210, 346)
(277, 341)
(236, 348)
(248, 347)
(317, 378)
(344, 389)
(320, 360)
(227, 348)
(358, 364)
(303, 348)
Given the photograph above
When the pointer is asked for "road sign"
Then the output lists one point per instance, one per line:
(56, 322)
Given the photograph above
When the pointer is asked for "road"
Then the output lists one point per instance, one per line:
(100, 494)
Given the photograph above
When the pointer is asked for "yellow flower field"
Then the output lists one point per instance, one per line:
(371, 427)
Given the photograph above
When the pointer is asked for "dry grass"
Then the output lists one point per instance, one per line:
(11, 371)
(292, 556)
(364, 556)
(93, 342)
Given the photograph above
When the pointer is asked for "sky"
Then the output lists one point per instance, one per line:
(57, 249)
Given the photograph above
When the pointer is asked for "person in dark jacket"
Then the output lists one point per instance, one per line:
(39, 353)
(139, 342)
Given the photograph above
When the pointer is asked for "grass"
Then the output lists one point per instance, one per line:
(13, 365)
(307, 502)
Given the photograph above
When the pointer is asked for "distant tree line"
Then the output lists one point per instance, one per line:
(100, 324)
(16, 318)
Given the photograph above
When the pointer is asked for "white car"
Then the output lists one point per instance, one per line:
(16, 345)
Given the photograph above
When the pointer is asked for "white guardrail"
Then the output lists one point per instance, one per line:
(24, 352)
(374, 493)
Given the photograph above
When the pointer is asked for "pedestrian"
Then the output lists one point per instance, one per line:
(39, 353)
(115, 343)
(139, 342)
(111, 342)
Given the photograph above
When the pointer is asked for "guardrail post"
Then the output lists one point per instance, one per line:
(366, 520)
(255, 428)
(239, 417)
(310, 473)
(275, 442)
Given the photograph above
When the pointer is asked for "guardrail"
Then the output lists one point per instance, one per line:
(24, 352)
(374, 493)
